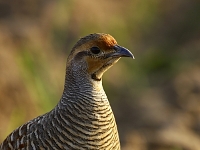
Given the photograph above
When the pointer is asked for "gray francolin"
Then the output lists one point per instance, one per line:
(83, 118)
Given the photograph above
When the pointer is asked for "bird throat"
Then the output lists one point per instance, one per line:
(94, 77)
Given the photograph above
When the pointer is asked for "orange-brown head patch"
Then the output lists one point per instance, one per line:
(102, 40)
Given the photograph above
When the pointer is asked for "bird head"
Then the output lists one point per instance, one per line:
(92, 55)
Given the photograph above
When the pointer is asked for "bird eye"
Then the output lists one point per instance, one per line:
(95, 50)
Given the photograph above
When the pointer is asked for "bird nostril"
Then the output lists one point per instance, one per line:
(116, 47)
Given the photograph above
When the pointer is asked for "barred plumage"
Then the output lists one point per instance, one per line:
(83, 119)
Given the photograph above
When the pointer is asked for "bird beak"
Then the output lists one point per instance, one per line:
(122, 52)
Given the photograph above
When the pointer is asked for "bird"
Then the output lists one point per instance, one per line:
(83, 118)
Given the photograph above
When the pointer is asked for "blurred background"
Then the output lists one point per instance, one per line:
(155, 98)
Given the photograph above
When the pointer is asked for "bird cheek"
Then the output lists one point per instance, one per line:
(93, 65)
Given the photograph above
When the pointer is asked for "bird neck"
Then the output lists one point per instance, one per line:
(80, 83)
